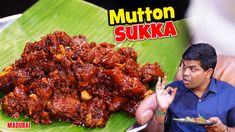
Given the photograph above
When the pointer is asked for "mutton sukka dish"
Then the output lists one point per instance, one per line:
(66, 78)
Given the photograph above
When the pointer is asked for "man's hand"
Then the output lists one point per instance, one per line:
(217, 127)
(164, 97)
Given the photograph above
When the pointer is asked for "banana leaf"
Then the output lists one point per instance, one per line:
(80, 17)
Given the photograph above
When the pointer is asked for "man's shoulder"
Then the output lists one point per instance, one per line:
(177, 84)
(224, 85)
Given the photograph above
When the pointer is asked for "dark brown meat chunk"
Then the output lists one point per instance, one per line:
(150, 72)
(12, 105)
(94, 112)
(125, 85)
(63, 106)
(131, 106)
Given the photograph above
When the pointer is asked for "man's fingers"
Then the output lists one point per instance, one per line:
(214, 119)
(161, 83)
(169, 89)
(158, 85)
(164, 92)
(164, 81)
(173, 93)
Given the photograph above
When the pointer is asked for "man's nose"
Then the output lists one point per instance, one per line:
(186, 71)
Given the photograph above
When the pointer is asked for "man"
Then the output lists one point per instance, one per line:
(198, 94)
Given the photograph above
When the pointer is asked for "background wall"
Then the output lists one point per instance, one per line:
(11, 7)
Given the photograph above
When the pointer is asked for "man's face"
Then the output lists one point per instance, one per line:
(194, 75)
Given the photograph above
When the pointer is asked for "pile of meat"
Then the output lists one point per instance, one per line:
(66, 78)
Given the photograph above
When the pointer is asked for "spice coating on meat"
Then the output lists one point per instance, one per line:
(66, 78)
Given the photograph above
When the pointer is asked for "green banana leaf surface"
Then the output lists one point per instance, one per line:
(80, 17)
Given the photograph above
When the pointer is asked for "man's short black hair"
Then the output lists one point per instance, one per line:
(202, 52)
